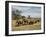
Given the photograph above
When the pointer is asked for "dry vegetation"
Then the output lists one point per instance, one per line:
(22, 22)
(34, 26)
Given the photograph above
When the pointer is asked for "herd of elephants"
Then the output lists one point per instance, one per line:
(26, 22)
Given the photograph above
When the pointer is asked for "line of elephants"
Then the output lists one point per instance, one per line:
(26, 22)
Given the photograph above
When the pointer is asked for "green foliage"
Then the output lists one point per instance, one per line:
(15, 17)
(23, 16)
(16, 14)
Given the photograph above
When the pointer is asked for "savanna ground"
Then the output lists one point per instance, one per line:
(36, 26)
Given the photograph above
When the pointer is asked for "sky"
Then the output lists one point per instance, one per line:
(33, 11)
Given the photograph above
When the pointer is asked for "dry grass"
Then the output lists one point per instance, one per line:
(35, 26)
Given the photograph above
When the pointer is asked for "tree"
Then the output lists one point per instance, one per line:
(23, 17)
(29, 17)
(16, 14)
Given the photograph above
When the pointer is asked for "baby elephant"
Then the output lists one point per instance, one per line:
(31, 22)
(18, 23)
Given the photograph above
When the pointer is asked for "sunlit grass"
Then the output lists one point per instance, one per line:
(36, 26)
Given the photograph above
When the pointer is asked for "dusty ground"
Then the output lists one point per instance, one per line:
(35, 26)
